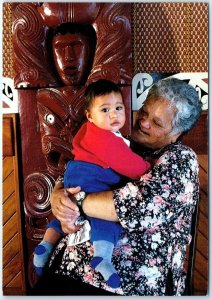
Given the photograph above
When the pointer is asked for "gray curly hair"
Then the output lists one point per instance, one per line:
(184, 97)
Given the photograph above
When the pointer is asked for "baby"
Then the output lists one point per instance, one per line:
(101, 157)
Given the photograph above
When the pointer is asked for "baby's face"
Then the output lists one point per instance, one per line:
(107, 112)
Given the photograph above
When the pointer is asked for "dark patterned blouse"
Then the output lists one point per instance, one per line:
(155, 213)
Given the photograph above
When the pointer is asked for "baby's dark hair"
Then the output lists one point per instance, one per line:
(99, 88)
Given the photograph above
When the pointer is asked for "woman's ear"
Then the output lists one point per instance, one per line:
(175, 137)
(88, 115)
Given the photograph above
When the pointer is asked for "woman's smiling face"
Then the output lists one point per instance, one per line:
(153, 124)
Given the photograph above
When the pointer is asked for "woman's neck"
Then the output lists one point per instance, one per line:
(144, 151)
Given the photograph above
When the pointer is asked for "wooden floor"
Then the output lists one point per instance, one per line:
(201, 259)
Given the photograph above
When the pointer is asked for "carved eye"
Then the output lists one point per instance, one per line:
(49, 118)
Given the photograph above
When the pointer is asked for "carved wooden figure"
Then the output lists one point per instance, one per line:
(59, 48)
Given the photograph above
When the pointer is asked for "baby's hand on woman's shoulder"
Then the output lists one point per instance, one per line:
(151, 160)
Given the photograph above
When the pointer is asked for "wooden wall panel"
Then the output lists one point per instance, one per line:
(8, 186)
(13, 259)
(7, 166)
(16, 281)
(197, 138)
(12, 267)
(200, 276)
(200, 284)
(9, 208)
(10, 229)
(10, 250)
(8, 145)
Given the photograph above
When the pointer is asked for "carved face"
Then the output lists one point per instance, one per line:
(59, 119)
(56, 139)
(71, 53)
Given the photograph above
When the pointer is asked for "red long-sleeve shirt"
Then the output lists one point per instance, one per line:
(102, 147)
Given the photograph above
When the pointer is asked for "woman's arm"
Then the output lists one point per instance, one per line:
(158, 198)
(164, 196)
(64, 207)
(100, 205)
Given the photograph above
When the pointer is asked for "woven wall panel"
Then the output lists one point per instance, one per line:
(167, 37)
(7, 41)
(170, 37)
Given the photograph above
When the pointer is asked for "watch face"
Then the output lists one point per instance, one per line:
(80, 221)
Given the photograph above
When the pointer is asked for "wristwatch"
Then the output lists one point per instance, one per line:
(80, 197)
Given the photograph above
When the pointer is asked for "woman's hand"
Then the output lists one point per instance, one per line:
(64, 207)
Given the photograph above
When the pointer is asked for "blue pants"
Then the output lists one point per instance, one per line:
(92, 178)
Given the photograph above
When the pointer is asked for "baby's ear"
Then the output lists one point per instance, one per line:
(88, 115)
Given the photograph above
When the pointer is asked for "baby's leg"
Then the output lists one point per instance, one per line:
(101, 262)
(44, 249)
(104, 236)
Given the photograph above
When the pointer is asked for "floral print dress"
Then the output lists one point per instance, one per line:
(155, 213)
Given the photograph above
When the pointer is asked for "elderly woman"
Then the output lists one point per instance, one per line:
(155, 212)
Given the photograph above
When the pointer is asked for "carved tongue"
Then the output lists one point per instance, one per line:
(62, 161)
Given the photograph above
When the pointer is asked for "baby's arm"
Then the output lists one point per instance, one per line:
(121, 158)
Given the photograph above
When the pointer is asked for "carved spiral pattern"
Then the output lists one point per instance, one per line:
(27, 28)
(37, 189)
(111, 72)
(27, 23)
(29, 74)
(29, 52)
(46, 145)
(114, 44)
(117, 42)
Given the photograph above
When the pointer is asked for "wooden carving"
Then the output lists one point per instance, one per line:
(31, 60)
(33, 25)
(113, 59)
(59, 48)
(37, 189)
(60, 116)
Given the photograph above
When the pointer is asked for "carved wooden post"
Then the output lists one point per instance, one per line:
(59, 48)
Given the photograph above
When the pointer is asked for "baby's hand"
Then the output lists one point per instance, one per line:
(152, 161)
